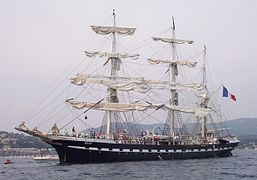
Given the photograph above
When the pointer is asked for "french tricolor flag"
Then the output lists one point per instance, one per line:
(227, 94)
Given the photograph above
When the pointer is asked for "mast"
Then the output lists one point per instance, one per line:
(114, 61)
(114, 48)
(172, 79)
(205, 99)
(173, 72)
(204, 69)
(112, 93)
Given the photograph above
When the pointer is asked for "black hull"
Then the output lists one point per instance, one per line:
(96, 152)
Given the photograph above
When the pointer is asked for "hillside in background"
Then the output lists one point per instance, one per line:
(240, 127)
(246, 130)
(244, 126)
(18, 140)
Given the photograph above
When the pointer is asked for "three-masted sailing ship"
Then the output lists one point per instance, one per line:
(117, 140)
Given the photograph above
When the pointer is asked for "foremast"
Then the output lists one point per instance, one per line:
(114, 59)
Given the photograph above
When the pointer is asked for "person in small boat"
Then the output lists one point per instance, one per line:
(8, 161)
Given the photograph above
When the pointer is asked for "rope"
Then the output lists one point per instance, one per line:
(81, 114)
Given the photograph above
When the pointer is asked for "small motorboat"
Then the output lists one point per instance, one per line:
(45, 158)
(8, 161)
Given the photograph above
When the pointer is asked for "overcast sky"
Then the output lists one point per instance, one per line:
(38, 39)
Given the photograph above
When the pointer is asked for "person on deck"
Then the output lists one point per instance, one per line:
(73, 132)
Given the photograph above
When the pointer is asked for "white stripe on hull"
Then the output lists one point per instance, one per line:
(149, 150)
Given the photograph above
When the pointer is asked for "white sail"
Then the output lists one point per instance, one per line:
(81, 79)
(134, 84)
(105, 30)
(176, 41)
(199, 112)
(111, 55)
(120, 107)
(123, 107)
(185, 63)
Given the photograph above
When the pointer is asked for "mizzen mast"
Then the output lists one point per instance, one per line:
(204, 103)
(172, 78)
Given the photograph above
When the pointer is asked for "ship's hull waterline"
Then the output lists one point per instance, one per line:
(97, 152)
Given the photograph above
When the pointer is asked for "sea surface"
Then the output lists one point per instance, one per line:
(242, 165)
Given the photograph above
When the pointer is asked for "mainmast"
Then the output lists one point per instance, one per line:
(173, 72)
(112, 93)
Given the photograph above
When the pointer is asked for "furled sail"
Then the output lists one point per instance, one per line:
(111, 55)
(185, 63)
(123, 107)
(105, 30)
(81, 79)
(176, 41)
(134, 84)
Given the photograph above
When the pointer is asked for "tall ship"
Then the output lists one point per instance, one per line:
(124, 91)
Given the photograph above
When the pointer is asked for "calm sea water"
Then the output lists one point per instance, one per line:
(243, 165)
